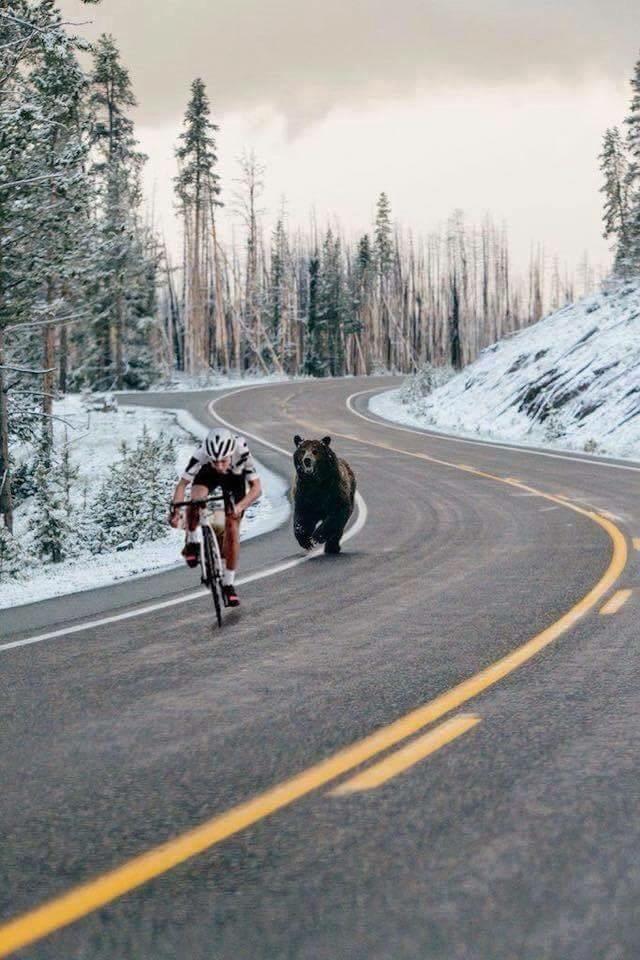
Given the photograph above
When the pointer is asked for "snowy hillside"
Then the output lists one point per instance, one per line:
(572, 380)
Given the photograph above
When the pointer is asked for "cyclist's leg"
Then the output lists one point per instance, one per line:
(231, 545)
(198, 492)
(231, 552)
(191, 551)
(233, 490)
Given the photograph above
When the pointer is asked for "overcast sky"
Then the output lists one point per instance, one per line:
(498, 106)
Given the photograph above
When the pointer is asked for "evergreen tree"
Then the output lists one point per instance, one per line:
(143, 476)
(68, 473)
(198, 190)
(126, 261)
(332, 303)
(49, 524)
(156, 456)
(314, 365)
(615, 169)
(362, 281)
(632, 254)
(365, 254)
(9, 555)
(383, 236)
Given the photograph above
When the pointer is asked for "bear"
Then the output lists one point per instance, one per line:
(323, 489)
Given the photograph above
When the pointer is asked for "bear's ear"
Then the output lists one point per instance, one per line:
(326, 441)
(297, 440)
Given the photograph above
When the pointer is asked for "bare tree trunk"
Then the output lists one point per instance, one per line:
(222, 343)
(6, 501)
(63, 367)
(119, 334)
(48, 381)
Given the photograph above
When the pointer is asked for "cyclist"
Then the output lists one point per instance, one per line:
(223, 460)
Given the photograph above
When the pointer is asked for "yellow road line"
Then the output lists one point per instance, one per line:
(619, 598)
(636, 543)
(407, 756)
(90, 896)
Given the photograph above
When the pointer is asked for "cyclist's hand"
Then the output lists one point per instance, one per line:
(174, 517)
(237, 511)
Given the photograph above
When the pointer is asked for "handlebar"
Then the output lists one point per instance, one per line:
(198, 503)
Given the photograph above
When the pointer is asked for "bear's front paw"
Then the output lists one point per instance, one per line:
(303, 538)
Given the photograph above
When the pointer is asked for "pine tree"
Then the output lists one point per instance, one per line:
(632, 253)
(9, 555)
(143, 476)
(49, 523)
(383, 236)
(365, 255)
(68, 473)
(156, 456)
(332, 303)
(126, 257)
(198, 190)
(615, 169)
(116, 518)
(313, 362)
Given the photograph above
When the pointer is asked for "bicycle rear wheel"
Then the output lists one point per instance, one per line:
(213, 571)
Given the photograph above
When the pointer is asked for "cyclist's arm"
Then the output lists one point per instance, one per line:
(252, 494)
(187, 477)
(179, 492)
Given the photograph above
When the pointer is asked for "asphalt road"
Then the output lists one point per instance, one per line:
(493, 815)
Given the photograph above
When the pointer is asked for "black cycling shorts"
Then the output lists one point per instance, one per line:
(234, 484)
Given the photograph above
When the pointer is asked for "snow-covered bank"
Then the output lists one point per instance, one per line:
(95, 438)
(571, 381)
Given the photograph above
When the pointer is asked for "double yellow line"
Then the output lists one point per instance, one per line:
(90, 896)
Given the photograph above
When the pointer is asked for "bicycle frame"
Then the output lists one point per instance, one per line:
(210, 556)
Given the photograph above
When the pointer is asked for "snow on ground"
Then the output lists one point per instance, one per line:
(95, 438)
(571, 381)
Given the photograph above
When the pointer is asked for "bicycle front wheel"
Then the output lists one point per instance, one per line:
(213, 571)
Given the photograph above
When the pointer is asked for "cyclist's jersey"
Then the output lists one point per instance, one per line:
(242, 463)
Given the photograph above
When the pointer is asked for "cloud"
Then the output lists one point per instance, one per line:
(303, 59)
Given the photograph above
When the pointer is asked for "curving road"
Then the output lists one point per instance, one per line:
(427, 747)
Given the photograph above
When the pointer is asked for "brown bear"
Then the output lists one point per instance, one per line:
(324, 489)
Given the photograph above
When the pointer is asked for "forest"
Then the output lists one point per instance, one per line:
(92, 299)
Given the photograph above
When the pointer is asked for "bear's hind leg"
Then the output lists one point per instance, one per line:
(333, 534)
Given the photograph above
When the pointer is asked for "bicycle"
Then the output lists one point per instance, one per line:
(210, 556)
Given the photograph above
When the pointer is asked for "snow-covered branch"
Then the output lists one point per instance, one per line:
(39, 415)
(45, 31)
(53, 321)
(28, 180)
(34, 393)
(8, 366)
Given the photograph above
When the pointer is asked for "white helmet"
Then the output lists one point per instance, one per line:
(220, 443)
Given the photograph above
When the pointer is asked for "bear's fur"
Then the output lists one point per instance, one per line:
(323, 490)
